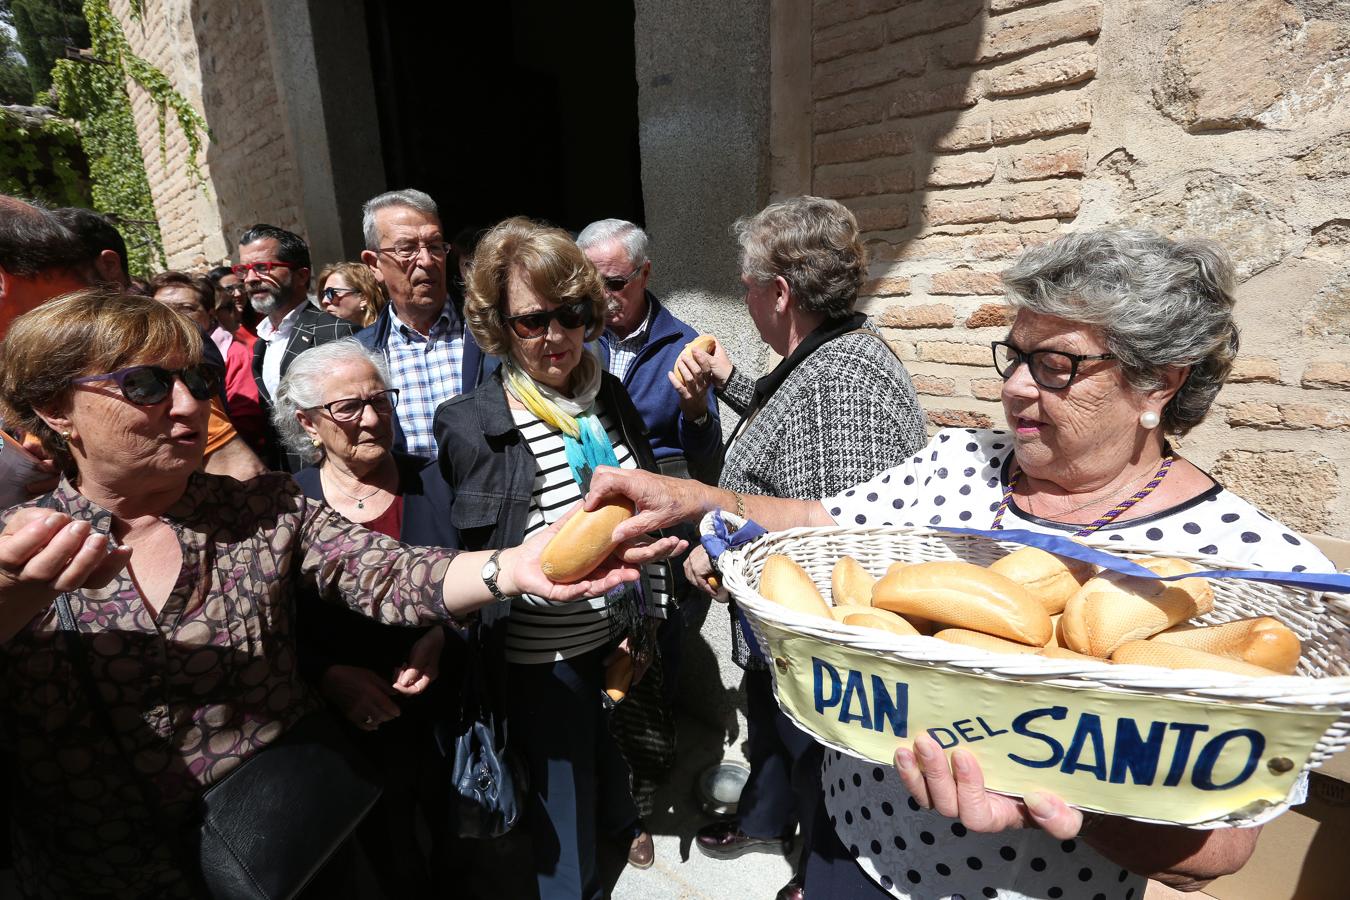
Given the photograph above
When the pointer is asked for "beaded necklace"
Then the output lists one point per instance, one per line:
(1106, 519)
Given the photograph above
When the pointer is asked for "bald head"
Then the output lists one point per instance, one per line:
(39, 259)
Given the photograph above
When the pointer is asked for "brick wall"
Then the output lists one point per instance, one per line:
(963, 131)
(216, 53)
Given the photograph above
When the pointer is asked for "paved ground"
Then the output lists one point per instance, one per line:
(681, 871)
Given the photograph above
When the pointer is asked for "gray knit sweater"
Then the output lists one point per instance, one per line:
(846, 412)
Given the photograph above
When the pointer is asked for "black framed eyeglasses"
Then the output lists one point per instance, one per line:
(349, 409)
(579, 314)
(614, 285)
(1053, 370)
(409, 252)
(148, 385)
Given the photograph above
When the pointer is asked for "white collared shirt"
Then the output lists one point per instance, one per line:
(276, 339)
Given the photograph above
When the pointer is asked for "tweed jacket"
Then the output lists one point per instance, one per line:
(845, 412)
(313, 327)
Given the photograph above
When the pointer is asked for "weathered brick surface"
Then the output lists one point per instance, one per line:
(854, 71)
(958, 418)
(1255, 369)
(953, 353)
(934, 386)
(964, 282)
(1041, 122)
(880, 218)
(990, 315)
(986, 388)
(1326, 375)
(848, 39)
(960, 171)
(889, 286)
(929, 315)
(1069, 161)
(1019, 32)
(1042, 72)
(856, 147)
(929, 16)
(850, 182)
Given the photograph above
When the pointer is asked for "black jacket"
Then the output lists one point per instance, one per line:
(490, 469)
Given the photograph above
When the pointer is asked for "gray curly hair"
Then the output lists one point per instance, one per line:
(302, 388)
(813, 244)
(1161, 304)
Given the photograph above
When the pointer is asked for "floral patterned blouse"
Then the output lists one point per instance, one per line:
(192, 692)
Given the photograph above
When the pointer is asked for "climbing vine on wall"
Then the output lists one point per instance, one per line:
(41, 157)
(93, 92)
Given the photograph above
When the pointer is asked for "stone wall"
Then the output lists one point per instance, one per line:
(963, 131)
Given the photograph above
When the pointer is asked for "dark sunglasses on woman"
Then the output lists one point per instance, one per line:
(148, 385)
(580, 314)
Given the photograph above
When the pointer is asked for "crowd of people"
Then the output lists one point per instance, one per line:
(254, 497)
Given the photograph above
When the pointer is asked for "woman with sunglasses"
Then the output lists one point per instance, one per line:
(1120, 338)
(335, 410)
(176, 590)
(518, 452)
(350, 291)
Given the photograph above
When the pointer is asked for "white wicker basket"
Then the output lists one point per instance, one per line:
(1322, 622)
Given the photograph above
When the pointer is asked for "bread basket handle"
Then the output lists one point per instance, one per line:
(1314, 581)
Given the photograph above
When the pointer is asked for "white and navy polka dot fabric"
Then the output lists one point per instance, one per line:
(958, 480)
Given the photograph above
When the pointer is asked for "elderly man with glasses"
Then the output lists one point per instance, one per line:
(274, 267)
(421, 333)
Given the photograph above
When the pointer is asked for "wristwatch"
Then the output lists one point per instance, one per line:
(490, 572)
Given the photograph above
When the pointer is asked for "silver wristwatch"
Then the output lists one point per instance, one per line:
(490, 572)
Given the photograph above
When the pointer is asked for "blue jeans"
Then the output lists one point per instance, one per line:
(579, 782)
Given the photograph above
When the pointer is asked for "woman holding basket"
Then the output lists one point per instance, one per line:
(1120, 337)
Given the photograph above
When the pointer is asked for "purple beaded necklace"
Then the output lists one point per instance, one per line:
(1106, 519)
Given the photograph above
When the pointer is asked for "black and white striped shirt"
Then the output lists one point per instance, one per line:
(543, 631)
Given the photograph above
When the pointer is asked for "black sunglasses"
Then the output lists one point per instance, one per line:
(332, 293)
(148, 385)
(1053, 370)
(614, 285)
(579, 314)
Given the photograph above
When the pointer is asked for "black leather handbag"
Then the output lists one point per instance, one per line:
(487, 786)
(270, 825)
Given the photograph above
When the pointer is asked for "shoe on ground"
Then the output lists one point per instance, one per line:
(642, 852)
(725, 840)
(793, 890)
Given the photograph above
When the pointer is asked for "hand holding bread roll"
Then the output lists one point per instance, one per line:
(1049, 578)
(964, 595)
(705, 342)
(1111, 608)
(1260, 641)
(851, 584)
(583, 542)
(786, 583)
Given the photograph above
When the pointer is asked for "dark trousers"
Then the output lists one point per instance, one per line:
(579, 782)
(784, 785)
(831, 871)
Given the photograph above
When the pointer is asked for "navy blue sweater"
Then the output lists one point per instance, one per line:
(671, 434)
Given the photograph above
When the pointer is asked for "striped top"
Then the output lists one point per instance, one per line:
(544, 631)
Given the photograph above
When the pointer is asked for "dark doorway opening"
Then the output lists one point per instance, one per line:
(514, 107)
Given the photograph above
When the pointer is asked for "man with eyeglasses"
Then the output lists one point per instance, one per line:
(421, 333)
(274, 267)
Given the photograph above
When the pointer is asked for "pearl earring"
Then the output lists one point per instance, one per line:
(1149, 419)
(316, 442)
(65, 436)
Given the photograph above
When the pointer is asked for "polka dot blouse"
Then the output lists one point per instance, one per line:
(957, 480)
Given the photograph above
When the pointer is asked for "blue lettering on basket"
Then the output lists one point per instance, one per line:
(849, 696)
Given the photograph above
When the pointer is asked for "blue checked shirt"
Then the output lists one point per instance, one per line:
(622, 351)
(427, 370)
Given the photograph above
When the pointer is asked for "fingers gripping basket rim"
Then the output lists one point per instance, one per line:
(1322, 622)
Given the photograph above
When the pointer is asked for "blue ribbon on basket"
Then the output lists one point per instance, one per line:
(721, 540)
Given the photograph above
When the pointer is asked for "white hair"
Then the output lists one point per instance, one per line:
(302, 388)
(411, 198)
(633, 239)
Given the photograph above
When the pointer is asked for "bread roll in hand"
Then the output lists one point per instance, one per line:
(705, 342)
(583, 542)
